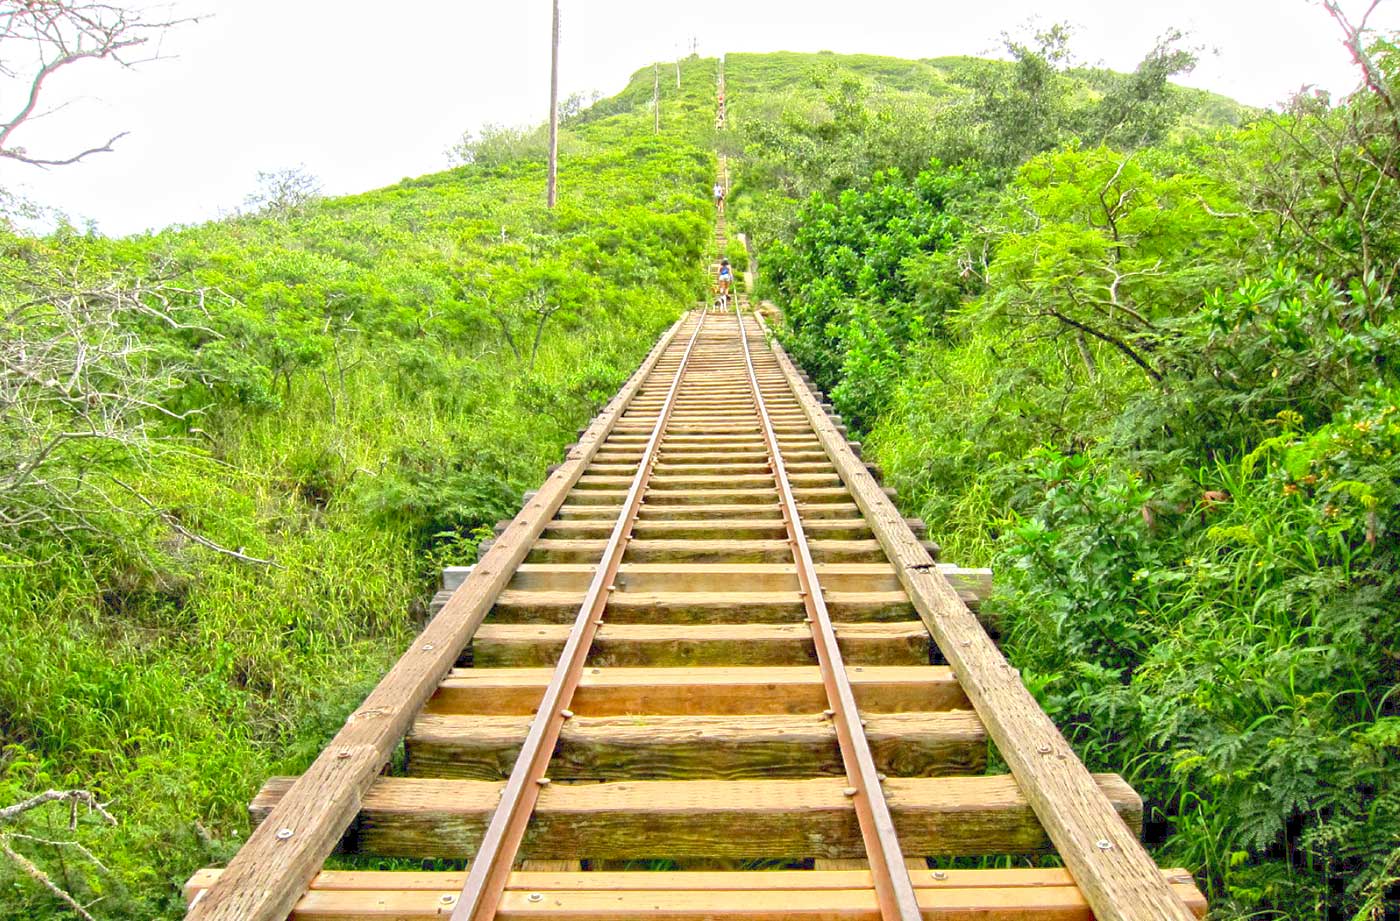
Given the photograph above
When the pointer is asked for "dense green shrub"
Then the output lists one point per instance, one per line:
(1154, 385)
(858, 280)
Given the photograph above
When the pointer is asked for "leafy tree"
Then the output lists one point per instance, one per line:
(855, 279)
(1108, 245)
(1142, 107)
(495, 145)
(1024, 111)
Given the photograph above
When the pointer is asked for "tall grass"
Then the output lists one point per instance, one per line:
(363, 422)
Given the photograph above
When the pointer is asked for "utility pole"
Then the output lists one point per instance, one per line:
(678, 65)
(656, 96)
(552, 188)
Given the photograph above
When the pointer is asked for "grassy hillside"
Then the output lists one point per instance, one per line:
(1074, 312)
(1135, 348)
(370, 387)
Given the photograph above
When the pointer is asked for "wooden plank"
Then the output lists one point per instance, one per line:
(744, 577)
(696, 480)
(740, 819)
(551, 866)
(708, 690)
(514, 606)
(734, 528)
(673, 644)
(1063, 903)
(269, 872)
(710, 577)
(664, 881)
(553, 550)
(695, 747)
(810, 512)
(1118, 877)
(668, 498)
(682, 497)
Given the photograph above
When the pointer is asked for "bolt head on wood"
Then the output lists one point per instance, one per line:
(284, 833)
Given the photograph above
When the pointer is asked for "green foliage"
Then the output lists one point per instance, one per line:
(856, 279)
(1225, 651)
(1277, 344)
(1110, 246)
(363, 386)
(1141, 360)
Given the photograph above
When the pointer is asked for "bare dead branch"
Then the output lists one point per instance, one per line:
(1355, 42)
(17, 153)
(33, 871)
(76, 800)
(83, 394)
(73, 797)
(174, 524)
(47, 36)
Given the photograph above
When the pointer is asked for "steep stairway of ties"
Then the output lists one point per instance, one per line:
(708, 671)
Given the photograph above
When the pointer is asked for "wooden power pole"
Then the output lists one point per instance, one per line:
(552, 190)
(656, 97)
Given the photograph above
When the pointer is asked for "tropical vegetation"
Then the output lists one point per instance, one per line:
(1134, 347)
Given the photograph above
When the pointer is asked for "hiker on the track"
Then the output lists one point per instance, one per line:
(726, 279)
(719, 194)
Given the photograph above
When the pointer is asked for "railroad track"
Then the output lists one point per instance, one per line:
(708, 643)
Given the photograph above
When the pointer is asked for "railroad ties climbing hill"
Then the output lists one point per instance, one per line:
(707, 672)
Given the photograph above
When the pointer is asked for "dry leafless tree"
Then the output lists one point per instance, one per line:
(80, 392)
(39, 38)
(283, 191)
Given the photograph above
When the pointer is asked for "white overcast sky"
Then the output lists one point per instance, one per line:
(364, 94)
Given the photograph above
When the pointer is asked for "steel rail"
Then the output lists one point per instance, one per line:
(893, 888)
(491, 867)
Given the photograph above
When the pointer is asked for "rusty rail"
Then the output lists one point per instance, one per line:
(893, 887)
(490, 869)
